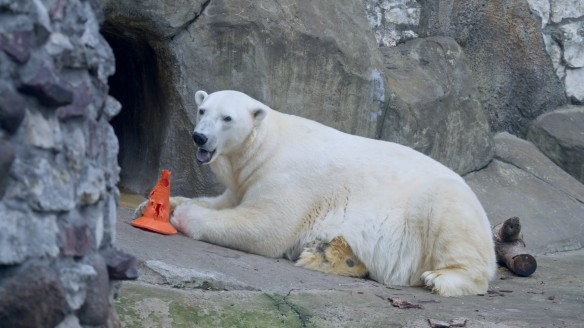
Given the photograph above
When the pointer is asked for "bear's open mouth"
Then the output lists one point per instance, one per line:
(204, 156)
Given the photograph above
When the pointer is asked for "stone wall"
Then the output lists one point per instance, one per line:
(393, 21)
(562, 28)
(58, 160)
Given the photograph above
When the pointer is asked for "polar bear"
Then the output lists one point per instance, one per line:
(334, 202)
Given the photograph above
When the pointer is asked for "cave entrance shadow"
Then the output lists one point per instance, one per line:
(140, 126)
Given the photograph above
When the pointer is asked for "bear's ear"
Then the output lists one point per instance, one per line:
(259, 113)
(200, 97)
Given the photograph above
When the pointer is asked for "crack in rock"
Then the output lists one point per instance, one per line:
(303, 317)
(187, 24)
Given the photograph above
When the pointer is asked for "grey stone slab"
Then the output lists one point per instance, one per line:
(526, 156)
(551, 220)
(560, 135)
(522, 182)
(274, 293)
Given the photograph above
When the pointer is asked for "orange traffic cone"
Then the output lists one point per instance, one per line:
(157, 212)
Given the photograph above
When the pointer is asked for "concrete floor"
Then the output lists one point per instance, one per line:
(188, 283)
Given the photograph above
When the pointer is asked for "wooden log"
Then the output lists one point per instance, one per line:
(510, 248)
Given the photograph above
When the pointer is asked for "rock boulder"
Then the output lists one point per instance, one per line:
(433, 105)
(510, 66)
(523, 182)
(560, 135)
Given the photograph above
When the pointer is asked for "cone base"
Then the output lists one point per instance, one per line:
(151, 224)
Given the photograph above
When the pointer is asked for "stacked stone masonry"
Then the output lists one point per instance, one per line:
(58, 167)
(393, 21)
(562, 28)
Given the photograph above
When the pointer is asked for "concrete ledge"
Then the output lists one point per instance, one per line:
(187, 283)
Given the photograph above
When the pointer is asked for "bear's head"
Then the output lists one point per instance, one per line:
(224, 121)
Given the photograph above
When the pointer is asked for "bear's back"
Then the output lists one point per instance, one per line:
(309, 141)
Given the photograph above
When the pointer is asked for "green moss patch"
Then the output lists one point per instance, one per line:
(145, 306)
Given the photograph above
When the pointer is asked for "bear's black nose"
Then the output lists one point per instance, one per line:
(199, 138)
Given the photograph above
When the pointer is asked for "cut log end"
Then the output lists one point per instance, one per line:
(523, 265)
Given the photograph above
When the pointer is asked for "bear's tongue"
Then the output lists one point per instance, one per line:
(203, 156)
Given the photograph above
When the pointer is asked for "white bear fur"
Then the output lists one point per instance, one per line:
(290, 181)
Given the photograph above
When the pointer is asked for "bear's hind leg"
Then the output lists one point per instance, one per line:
(334, 257)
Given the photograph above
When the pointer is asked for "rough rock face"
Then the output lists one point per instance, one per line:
(315, 59)
(154, 128)
(523, 182)
(507, 56)
(58, 168)
(560, 135)
(433, 106)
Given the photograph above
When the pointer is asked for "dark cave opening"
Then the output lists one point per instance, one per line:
(140, 125)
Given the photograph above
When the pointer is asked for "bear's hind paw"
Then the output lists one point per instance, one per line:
(453, 282)
(335, 257)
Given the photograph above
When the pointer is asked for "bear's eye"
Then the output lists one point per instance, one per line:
(201, 111)
(227, 119)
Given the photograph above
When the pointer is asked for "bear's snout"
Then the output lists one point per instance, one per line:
(199, 138)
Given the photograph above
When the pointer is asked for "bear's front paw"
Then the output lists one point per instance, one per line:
(179, 220)
(191, 220)
(139, 211)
